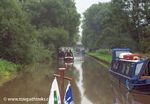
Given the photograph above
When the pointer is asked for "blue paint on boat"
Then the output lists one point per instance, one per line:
(133, 74)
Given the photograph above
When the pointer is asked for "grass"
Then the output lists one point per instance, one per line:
(7, 68)
(7, 71)
(102, 54)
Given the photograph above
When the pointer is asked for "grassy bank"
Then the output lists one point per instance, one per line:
(6, 67)
(7, 70)
(102, 55)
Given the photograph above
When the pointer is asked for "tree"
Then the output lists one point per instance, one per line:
(31, 30)
(93, 24)
(56, 13)
(145, 43)
(18, 39)
(53, 36)
(138, 17)
(107, 25)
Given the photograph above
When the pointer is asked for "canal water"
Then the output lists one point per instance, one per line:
(91, 85)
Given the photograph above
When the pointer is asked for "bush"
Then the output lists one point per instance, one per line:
(7, 67)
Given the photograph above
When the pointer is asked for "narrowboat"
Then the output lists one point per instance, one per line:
(69, 61)
(61, 55)
(130, 70)
(69, 57)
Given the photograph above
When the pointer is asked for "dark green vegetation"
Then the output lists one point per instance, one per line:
(119, 23)
(7, 70)
(33, 30)
(103, 55)
(7, 67)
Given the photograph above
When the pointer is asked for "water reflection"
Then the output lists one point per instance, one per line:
(78, 66)
(32, 84)
(96, 82)
(95, 86)
(122, 96)
(91, 85)
(70, 72)
(93, 82)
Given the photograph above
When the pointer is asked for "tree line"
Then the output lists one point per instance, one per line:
(32, 30)
(119, 23)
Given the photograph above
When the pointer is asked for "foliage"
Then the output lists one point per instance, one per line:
(101, 24)
(93, 24)
(31, 30)
(14, 32)
(119, 23)
(6, 67)
(138, 15)
(53, 36)
(55, 13)
(145, 43)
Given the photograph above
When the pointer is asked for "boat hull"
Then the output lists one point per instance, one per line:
(137, 88)
(145, 89)
(68, 59)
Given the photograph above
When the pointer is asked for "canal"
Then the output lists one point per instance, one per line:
(91, 85)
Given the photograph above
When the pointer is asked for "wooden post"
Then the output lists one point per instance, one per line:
(62, 76)
(62, 73)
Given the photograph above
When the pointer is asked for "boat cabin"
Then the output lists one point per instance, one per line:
(130, 68)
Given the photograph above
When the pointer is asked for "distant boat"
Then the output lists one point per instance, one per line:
(130, 70)
(61, 55)
(69, 60)
(68, 57)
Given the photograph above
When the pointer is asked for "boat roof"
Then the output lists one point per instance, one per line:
(121, 49)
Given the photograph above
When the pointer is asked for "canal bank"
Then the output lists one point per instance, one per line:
(33, 81)
(8, 71)
(11, 71)
(103, 54)
(103, 57)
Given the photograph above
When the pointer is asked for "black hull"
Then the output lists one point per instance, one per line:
(141, 89)
(68, 60)
(145, 89)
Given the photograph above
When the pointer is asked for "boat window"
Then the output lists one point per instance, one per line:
(115, 66)
(138, 68)
(120, 67)
(128, 69)
(119, 52)
(123, 68)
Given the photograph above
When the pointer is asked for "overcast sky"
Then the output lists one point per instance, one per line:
(82, 5)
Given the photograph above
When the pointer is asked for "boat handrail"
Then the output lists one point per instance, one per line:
(130, 60)
(130, 78)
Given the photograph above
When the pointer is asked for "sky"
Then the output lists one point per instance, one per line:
(83, 5)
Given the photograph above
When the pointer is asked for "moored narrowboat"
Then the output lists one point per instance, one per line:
(69, 57)
(131, 70)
